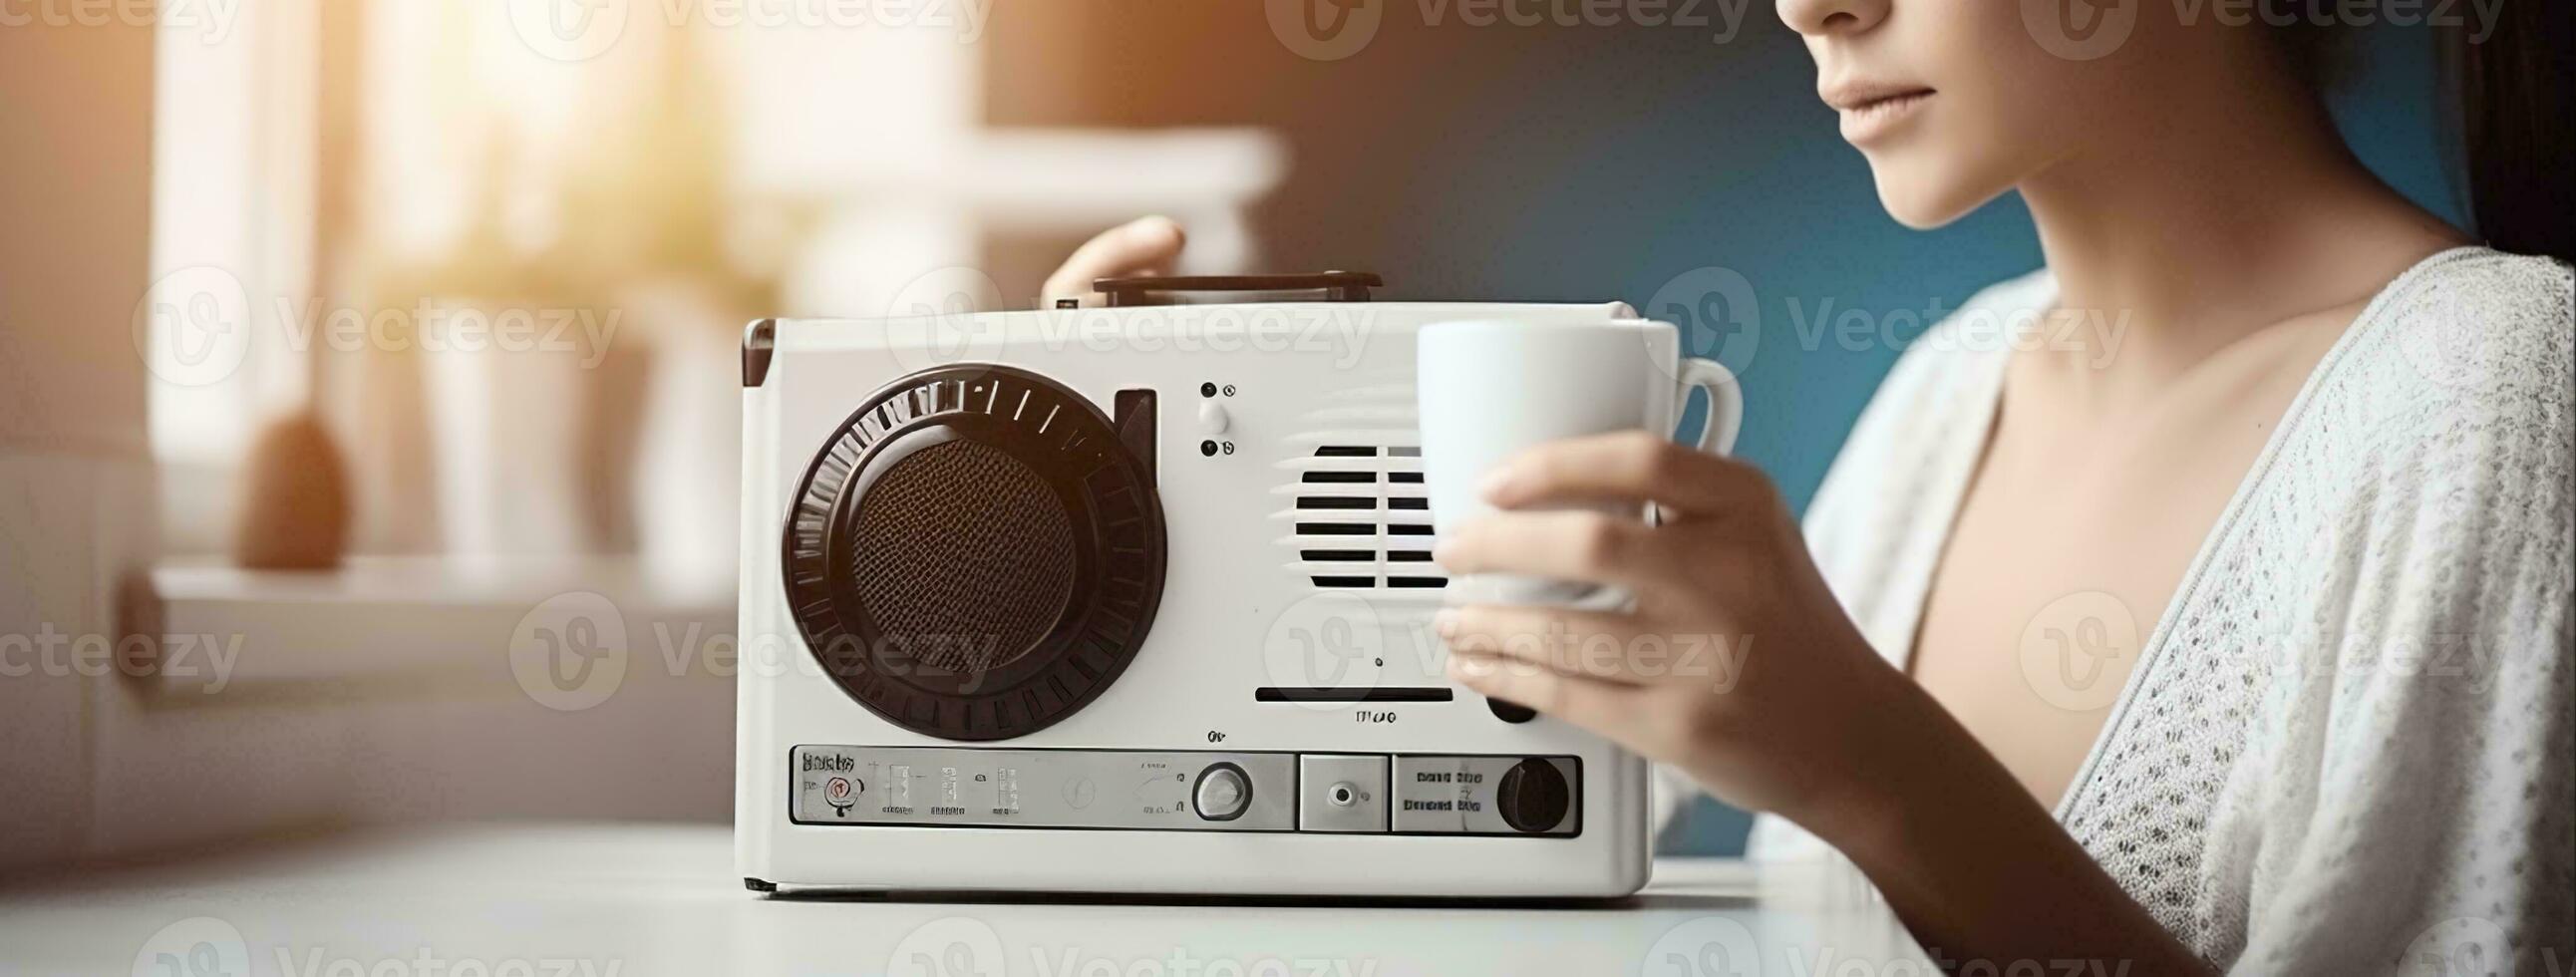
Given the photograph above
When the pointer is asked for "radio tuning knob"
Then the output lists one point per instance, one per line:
(1533, 796)
(1222, 793)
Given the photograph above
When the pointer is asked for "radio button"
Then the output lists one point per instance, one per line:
(1533, 796)
(1222, 793)
(1341, 793)
(1517, 795)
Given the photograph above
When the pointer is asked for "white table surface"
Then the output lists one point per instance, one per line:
(629, 900)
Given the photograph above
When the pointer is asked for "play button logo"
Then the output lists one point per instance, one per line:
(1325, 30)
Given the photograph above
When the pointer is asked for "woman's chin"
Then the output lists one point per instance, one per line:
(1922, 200)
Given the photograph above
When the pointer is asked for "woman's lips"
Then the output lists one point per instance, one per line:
(1870, 113)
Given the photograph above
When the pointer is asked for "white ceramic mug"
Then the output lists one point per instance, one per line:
(1492, 389)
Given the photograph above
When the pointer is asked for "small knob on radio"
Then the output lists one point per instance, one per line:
(1222, 793)
(1533, 796)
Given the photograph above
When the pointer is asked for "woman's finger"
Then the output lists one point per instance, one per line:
(1588, 703)
(1629, 466)
(1589, 644)
(1574, 545)
(1144, 246)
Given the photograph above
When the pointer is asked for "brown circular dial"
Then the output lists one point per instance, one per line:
(973, 554)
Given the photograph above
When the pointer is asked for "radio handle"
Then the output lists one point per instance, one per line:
(1337, 286)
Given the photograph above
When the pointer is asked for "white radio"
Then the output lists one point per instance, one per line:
(1130, 599)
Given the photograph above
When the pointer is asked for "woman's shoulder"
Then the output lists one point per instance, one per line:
(2479, 285)
(2471, 353)
(2434, 444)
(2469, 318)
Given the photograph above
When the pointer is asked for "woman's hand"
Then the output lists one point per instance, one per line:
(1736, 665)
(1144, 246)
(1783, 707)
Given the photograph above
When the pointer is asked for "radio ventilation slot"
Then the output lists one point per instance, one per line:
(1358, 516)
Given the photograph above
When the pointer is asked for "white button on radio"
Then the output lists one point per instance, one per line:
(1212, 418)
(1222, 793)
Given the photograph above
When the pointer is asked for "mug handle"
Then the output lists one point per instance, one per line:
(1725, 402)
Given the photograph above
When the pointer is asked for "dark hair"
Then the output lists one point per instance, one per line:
(2322, 53)
(2512, 83)
(2509, 93)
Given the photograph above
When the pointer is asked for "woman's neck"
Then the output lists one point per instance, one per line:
(2207, 226)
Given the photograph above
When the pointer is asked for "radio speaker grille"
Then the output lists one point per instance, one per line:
(1358, 517)
(971, 580)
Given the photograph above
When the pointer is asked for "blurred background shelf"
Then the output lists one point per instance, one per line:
(425, 616)
(385, 693)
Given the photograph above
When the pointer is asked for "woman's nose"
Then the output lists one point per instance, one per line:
(1815, 19)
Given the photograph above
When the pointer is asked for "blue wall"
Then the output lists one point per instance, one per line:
(1589, 164)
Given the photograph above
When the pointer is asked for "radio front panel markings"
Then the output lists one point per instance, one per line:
(1044, 788)
(1186, 791)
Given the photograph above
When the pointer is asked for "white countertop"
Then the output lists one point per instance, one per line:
(630, 900)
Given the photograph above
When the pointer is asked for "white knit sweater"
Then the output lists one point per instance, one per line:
(2346, 745)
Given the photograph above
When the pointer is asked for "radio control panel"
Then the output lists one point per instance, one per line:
(1187, 790)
